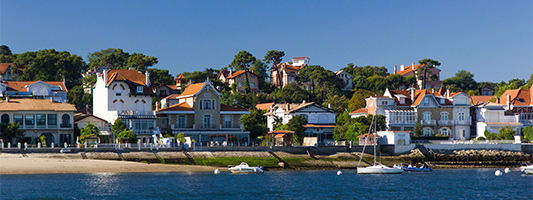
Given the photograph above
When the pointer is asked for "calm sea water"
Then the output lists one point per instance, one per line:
(439, 184)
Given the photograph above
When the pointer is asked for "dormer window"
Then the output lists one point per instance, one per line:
(140, 89)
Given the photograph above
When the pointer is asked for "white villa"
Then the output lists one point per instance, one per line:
(492, 117)
(347, 78)
(125, 94)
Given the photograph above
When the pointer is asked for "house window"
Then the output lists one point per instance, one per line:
(65, 121)
(427, 116)
(461, 116)
(427, 131)
(18, 118)
(41, 120)
(207, 121)
(5, 119)
(426, 101)
(52, 120)
(207, 104)
(252, 85)
(444, 116)
(29, 121)
(140, 89)
(213, 103)
(181, 121)
(227, 121)
(444, 131)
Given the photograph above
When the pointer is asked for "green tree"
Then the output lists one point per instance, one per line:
(132, 138)
(4, 50)
(10, 130)
(528, 133)
(292, 93)
(51, 65)
(255, 122)
(275, 57)
(88, 131)
(242, 61)
(160, 77)
(358, 99)
(296, 124)
(354, 130)
(395, 81)
(417, 131)
(337, 103)
(118, 126)
(118, 59)
(261, 69)
(79, 98)
(506, 133)
(424, 71)
(322, 81)
(463, 81)
(180, 137)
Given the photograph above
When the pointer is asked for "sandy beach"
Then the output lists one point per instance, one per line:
(26, 165)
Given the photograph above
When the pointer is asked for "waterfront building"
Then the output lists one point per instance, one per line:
(82, 119)
(519, 102)
(238, 78)
(198, 113)
(320, 120)
(493, 116)
(125, 94)
(7, 70)
(52, 90)
(40, 117)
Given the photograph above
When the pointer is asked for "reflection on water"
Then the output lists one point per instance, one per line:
(439, 184)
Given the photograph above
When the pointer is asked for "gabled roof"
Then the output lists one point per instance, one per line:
(518, 97)
(288, 67)
(264, 106)
(81, 116)
(172, 96)
(234, 74)
(180, 77)
(293, 107)
(184, 106)
(126, 75)
(360, 110)
(408, 69)
(192, 89)
(21, 86)
(477, 100)
(4, 67)
(35, 105)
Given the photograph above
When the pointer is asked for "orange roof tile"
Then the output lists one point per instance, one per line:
(408, 69)
(264, 106)
(35, 105)
(360, 110)
(4, 67)
(172, 96)
(126, 75)
(184, 106)
(319, 126)
(518, 97)
(476, 100)
(192, 89)
(180, 77)
(281, 132)
(21, 85)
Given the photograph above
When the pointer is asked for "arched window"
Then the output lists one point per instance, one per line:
(445, 131)
(5, 119)
(65, 121)
(427, 131)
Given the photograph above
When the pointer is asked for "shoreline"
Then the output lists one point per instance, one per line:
(27, 165)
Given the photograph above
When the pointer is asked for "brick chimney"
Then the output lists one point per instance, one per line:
(402, 67)
(288, 106)
(395, 69)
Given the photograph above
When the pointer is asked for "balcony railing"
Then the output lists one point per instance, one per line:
(467, 122)
(446, 123)
(428, 122)
(402, 121)
(526, 121)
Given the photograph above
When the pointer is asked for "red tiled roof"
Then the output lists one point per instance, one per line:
(408, 69)
(518, 97)
(264, 106)
(35, 105)
(319, 126)
(21, 85)
(281, 132)
(126, 75)
(184, 106)
(172, 96)
(192, 89)
(360, 110)
(180, 77)
(230, 108)
(476, 100)
(4, 67)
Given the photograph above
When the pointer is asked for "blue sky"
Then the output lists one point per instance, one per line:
(491, 39)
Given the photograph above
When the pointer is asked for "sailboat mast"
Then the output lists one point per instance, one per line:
(375, 122)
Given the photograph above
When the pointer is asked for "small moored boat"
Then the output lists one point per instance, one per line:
(423, 168)
(528, 169)
(244, 168)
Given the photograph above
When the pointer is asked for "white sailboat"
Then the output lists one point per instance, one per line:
(377, 168)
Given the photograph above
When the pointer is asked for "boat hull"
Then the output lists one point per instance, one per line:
(378, 170)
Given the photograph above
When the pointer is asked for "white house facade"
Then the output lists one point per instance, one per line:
(125, 94)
